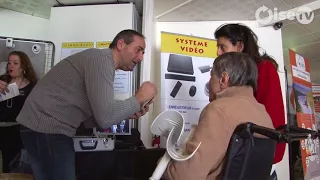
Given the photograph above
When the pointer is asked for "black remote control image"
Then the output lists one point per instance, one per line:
(176, 89)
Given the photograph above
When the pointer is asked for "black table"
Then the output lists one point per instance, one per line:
(117, 164)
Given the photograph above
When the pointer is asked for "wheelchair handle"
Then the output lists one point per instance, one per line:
(288, 135)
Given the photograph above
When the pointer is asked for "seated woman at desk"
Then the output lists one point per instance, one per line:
(232, 102)
(19, 70)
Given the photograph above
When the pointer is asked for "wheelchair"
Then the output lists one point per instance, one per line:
(250, 157)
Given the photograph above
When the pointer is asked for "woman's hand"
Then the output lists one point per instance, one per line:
(3, 87)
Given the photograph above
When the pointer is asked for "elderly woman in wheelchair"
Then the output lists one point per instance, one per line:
(225, 143)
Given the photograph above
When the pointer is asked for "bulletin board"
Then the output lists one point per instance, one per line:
(41, 53)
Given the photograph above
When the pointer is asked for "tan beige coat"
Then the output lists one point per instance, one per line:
(216, 125)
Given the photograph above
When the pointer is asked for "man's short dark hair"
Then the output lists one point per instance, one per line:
(241, 68)
(127, 36)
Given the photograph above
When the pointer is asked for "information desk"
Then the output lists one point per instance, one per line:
(117, 164)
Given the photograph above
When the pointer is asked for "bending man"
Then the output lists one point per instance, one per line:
(79, 88)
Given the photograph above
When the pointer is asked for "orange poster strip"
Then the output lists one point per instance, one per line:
(302, 96)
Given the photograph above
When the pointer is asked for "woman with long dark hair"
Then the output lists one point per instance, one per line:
(240, 38)
(20, 71)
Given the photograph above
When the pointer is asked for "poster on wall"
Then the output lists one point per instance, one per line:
(69, 48)
(103, 44)
(304, 107)
(316, 99)
(186, 62)
(121, 79)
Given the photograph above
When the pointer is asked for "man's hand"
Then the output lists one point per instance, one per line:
(3, 87)
(146, 92)
(142, 112)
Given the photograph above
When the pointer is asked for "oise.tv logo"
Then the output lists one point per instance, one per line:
(303, 15)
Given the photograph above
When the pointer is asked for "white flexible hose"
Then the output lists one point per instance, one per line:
(161, 167)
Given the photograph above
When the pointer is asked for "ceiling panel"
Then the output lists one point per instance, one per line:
(316, 12)
(316, 17)
(314, 70)
(203, 10)
(176, 16)
(297, 3)
(42, 8)
(286, 22)
(101, 1)
(293, 30)
(271, 4)
(51, 2)
(310, 51)
(314, 26)
(45, 16)
(317, 34)
(249, 8)
(23, 6)
(45, 9)
(234, 3)
(300, 40)
(161, 6)
(70, 2)
(219, 9)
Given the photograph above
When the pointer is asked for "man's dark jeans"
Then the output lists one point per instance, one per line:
(52, 156)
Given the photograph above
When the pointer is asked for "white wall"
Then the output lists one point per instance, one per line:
(88, 23)
(269, 39)
(18, 25)
(148, 29)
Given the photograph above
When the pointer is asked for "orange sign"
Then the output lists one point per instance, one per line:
(304, 106)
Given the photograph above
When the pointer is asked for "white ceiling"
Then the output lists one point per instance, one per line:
(210, 10)
(304, 39)
(42, 8)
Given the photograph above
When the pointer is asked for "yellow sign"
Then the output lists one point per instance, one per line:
(78, 45)
(103, 44)
(188, 45)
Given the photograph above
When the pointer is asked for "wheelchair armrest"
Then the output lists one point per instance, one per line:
(246, 152)
(289, 134)
(248, 129)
